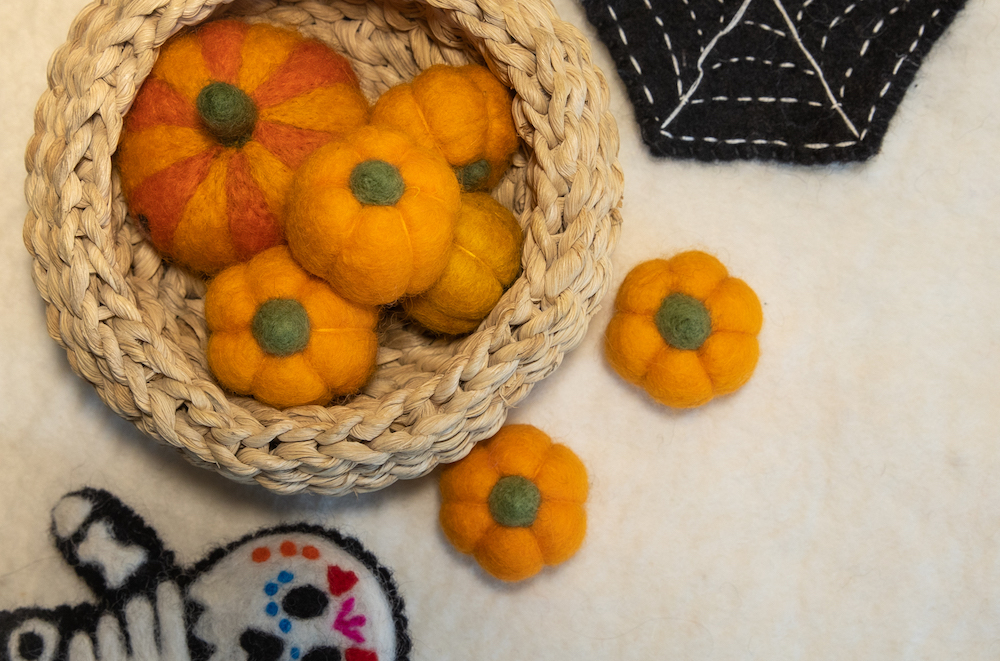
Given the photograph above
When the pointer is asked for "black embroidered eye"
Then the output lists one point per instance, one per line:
(323, 654)
(30, 646)
(305, 602)
(261, 646)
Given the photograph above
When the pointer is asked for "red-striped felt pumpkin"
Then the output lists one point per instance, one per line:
(227, 114)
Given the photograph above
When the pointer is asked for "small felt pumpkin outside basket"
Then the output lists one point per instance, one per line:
(134, 325)
(684, 330)
(516, 503)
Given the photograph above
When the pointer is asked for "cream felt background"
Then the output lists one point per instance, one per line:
(843, 505)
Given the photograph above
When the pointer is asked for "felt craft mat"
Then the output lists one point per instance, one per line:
(841, 505)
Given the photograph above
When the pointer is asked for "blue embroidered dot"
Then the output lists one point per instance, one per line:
(295, 653)
(285, 576)
(285, 626)
(271, 589)
(272, 609)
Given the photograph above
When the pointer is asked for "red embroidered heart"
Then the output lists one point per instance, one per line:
(358, 654)
(340, 581)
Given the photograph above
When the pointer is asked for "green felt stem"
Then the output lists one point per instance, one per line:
(281, 327)
(683, 321)
(227, 112)
(472, 175)
(514, 501)
(377, 183)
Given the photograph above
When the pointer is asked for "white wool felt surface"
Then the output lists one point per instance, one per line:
(840, 505)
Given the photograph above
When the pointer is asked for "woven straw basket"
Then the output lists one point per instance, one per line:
(135, 327)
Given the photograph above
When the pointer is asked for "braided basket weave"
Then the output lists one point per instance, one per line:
(135, 327)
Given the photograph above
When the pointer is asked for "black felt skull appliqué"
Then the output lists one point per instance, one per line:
(807, 81)
(289, 593)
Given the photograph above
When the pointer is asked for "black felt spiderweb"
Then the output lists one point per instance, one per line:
(809, 81)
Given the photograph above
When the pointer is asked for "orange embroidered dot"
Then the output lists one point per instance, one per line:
(288, 549)
(261, 554)
(310, 552)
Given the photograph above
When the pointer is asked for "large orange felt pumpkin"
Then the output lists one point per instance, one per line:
(225, 117)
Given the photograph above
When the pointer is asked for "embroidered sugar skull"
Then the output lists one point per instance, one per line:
(302, 597)
(291, 593)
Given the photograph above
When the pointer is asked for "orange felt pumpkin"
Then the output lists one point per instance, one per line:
(684, 330)
(373, 215)
(464, 112)
(283, 336)
(515, 503)
(227, 114)
(484, 260)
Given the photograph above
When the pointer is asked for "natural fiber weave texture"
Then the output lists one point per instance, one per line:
(135, 328)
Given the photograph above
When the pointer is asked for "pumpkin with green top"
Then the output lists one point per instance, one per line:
(283, 336)
(225, 117)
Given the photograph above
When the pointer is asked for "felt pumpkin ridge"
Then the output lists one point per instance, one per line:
(479, 519)
(673, 371)
(194, 114)
(471, 255)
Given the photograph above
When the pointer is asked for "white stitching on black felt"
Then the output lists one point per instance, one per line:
(845, 81)
(621, 35)
(834, 104)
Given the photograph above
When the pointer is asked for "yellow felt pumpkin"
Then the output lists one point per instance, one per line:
(373, 215)
(464, 112)
(684, 330)
(228, 112)
(485, 259)
(283, 336)
(516, 503)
